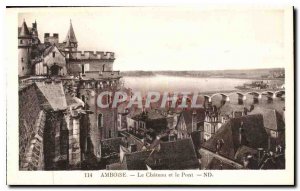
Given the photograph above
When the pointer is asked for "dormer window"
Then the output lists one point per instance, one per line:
(53, 54)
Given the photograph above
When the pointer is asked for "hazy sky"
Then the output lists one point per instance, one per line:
(172, 38)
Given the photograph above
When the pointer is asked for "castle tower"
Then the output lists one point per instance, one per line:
(24, 49)
(71, 43)
(35, 35)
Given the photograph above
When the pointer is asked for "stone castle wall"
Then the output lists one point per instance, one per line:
(31, 128)
(75, 66)
(109, 120)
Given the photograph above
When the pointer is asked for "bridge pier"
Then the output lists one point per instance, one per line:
(270, 97)
(225, 99)
(207, 101)
(241, 98)
(256, 97)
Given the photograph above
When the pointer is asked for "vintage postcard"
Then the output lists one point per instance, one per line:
(150, 95)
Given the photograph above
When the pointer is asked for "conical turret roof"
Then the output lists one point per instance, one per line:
(71, 35)
(24, 32)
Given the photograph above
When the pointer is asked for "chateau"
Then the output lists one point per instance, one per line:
(62, 128)
(60, 125)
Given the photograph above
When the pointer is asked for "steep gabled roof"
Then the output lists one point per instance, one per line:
(254, 136)
(131, 161)
(174, 155)
(50, 48)
(53, 94)
(136, 160)
(273, 120)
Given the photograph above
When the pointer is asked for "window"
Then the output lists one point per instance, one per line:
(21, 41)
(22, 68)
(53, 54)
(22, 59)
(100, 120)
(109, 134)
(82, 69)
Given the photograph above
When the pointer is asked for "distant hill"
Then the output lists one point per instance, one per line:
(138, 73)
(249, 73)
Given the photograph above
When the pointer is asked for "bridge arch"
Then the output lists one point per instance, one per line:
(256, 96)
(253, 92)
(279, 91)
(270, 94)
(213, 95)
(207, 98)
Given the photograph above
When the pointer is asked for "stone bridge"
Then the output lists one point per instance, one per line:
(256, 95)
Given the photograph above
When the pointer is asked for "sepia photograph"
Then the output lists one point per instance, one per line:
(169, 93)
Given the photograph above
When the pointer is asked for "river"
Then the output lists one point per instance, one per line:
(182, 84)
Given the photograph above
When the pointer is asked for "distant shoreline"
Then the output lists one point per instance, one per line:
(255, 74)
(192, 76)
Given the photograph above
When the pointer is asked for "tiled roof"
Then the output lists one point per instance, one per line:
(149, 115)
(154, 114)
(116, 166)
(54, 94)
(244, 150)
(49, 49)
(217, 164)
(174, 155)
(113, 144)
(272, 119)
(136, 160)
(228, 108)
(254, 136)
(132, 161)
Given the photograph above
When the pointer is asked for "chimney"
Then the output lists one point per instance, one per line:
(241, 131)
(194, 122)
(260, 152)
(133, 148)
